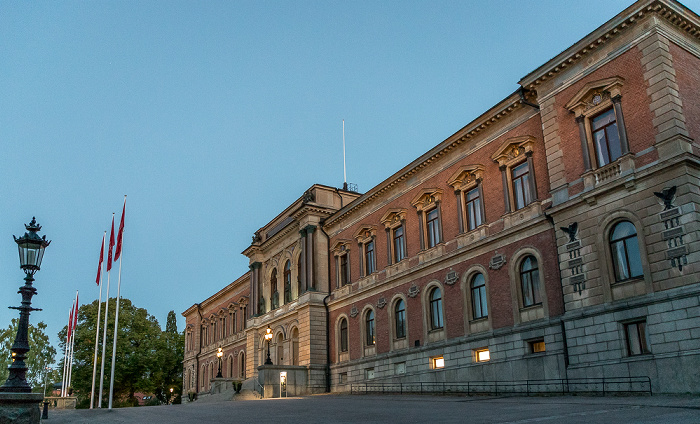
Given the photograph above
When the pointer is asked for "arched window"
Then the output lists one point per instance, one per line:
(530, 281)
(436, 309)
(478, 291)
(287, 282)
(400, 319)
(241, 365)
(624, 246)
(369, 328)
(295, 346)
(274, 295)
(230, 366)
(343, 335)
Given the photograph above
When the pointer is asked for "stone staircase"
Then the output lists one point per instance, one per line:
(222, 391)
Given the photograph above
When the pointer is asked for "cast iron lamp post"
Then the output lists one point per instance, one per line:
(219, 354)
(31, 252)
(268, 337)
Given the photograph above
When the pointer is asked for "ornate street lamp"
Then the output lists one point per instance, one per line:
(268, 337)
(219, 354)
(31, 252)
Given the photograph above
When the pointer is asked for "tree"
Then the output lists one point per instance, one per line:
(171, 356)
(142, 354)
(40, 355)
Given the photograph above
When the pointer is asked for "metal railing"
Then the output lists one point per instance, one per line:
(604, 385)
(262, 389)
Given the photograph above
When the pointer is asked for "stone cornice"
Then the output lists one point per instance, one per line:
(466, 134)
(670, 10)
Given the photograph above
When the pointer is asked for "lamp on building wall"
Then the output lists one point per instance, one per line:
(31, 252)
(219, 354)
(268, 337)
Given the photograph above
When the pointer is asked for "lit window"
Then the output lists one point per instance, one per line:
(627, 262)
(437, 362)
(536, 346)
(482, 355)
(635, 332)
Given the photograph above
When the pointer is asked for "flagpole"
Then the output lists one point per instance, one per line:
(72, 342)
(65, 359)
(117, 253)
(97, 331)
(104, 333)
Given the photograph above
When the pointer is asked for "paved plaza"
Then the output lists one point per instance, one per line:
(407, 409)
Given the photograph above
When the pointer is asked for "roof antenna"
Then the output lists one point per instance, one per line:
(345, 174)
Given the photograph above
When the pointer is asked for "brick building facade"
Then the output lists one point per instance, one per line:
(555, 236)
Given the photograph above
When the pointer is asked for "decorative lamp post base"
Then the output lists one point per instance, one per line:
(20, 408)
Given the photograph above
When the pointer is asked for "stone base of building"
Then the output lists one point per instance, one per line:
(20, 408)
(284, 380)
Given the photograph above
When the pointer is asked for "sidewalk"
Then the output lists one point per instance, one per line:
(408, 409)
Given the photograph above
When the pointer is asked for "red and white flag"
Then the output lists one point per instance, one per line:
(99, 266)
(70, 323)
(75, 314)
(111, 245)
(118, 249)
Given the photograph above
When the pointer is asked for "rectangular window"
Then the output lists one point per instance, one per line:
(343, 378)
(437, 362)
(344, 270)
(521, 185)
(473, 207)
(433, 226)
(369, 257)
(635, 332)
(400, 368)
(606, 137)
(482, 355)
(369, 373)
(399, 250)
(536, 346)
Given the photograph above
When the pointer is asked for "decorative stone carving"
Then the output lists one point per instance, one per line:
(667, 196)
(381, 303)
(673, 232)
(451, 277)
(413, 290)
(497, 261)
(571, 231)
(308, 196)
(354, 311)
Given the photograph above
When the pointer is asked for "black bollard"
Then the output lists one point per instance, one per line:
(45, 415)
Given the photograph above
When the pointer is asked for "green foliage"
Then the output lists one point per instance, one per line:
(144, 358)
(40, 355)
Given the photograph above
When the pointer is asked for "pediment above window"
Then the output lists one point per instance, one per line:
(365, 232)
(393, 217)
(243, 301)
(341, 247)
(513, 150)
(427, 198)
(466, 176)
(223, 311)
(594, 93)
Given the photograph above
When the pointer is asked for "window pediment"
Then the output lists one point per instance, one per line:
(365, 232)
(427, 198)
(466, 176)
(341, 247)
(594, 93)
(243, 301)
(393, 217)
(513, 150)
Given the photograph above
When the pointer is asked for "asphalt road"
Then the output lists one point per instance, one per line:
(406, 409)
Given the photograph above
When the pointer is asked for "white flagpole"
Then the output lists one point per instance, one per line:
(72, 342)
(345, 174)
(65, 362)
(97, 331)
(116, 327)
(104, 334)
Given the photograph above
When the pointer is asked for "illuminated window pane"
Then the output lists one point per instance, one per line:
(437, 362)
(482, 355)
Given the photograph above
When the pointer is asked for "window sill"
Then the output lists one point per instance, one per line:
(531, 211)
(472, 236)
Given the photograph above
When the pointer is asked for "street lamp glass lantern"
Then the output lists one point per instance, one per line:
(268, 334)
(220, 352)
(31, 248)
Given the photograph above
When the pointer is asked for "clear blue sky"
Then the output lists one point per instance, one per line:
(214, 116)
